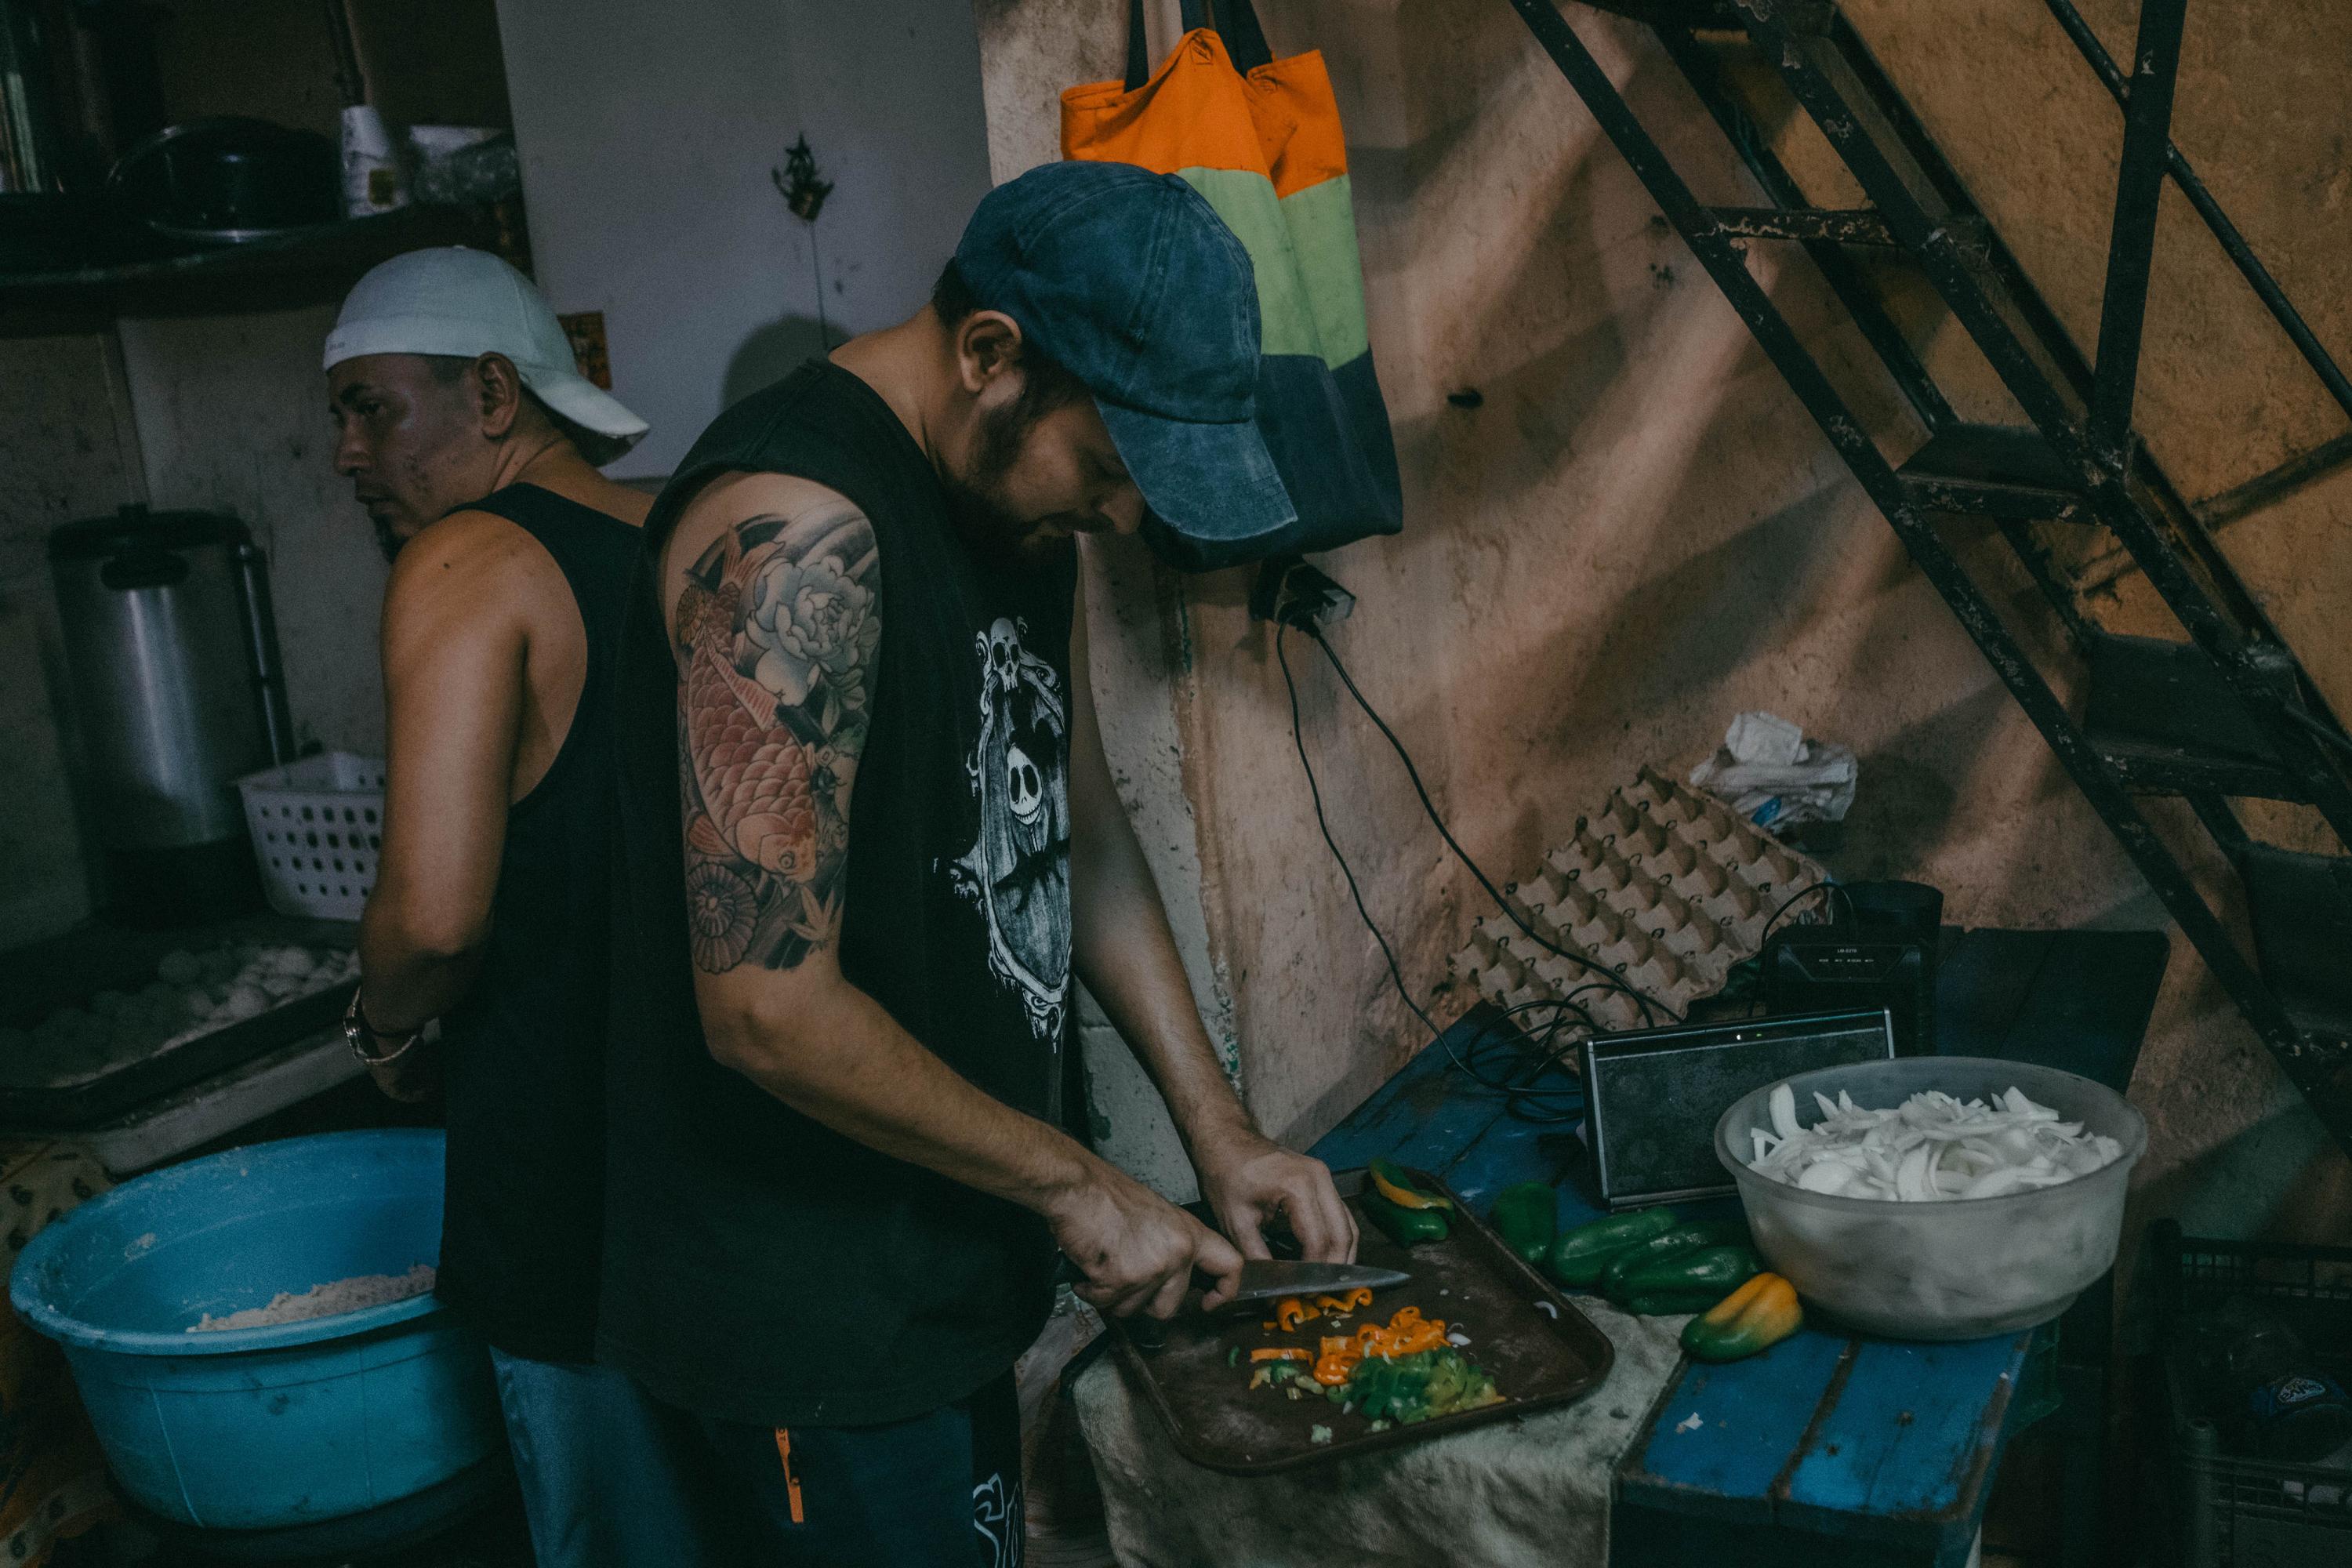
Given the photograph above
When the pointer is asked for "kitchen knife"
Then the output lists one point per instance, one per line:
(1269, 1281)
(1265, 1280)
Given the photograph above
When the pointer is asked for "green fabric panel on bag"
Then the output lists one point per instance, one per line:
(1322, 224)
(1246, 200)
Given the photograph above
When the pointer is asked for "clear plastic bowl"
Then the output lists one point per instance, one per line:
(1958, 1269)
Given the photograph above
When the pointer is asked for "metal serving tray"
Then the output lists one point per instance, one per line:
(1471, 1279)
(69, 969)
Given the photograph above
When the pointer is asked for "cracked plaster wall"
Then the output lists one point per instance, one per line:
(1639, 532)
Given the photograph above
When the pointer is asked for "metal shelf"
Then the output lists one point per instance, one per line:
(296, 267)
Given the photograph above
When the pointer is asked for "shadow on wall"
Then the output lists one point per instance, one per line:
(2278, 1180)
(770, 355)
(1905, 812)
(1694, 625)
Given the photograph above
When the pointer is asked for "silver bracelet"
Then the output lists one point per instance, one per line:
(358, 1031)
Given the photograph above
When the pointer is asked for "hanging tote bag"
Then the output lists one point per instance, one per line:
(1260, 138)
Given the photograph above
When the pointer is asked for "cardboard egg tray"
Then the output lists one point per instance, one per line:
(1663, 890)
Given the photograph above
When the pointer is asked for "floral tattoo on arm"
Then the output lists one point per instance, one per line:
(776, 633)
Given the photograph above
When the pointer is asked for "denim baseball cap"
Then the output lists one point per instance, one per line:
(1131, 280)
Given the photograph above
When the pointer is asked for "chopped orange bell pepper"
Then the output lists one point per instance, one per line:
(1362, 1296)
(1282, 1353)
(1290, 1312)
(1407, 1332)
(1337, 1362)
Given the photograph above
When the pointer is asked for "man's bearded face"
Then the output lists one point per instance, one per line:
(1030, 478)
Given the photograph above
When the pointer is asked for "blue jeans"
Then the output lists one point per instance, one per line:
(613, 1479)
(938, 1491)
(599, 1464)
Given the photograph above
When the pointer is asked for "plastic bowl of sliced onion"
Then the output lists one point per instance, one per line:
(1935, 1197)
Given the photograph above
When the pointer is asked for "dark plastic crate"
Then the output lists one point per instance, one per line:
(2234, 1512)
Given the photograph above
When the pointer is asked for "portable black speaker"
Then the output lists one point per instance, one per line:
(1651, 1098)
(1879, 953)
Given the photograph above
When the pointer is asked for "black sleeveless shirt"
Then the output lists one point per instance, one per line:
(523, 1054)
(758, 1266)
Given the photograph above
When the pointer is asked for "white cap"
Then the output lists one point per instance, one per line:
(453, 301)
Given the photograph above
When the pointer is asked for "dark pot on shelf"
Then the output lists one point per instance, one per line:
(228, 178)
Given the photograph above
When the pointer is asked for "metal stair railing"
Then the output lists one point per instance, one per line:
(2078, 462)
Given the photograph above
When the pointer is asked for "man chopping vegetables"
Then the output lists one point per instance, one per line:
(870, 842)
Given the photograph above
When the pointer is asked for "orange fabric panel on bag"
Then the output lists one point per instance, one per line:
(1192, 115)
(1197, 112)
(1298, 122)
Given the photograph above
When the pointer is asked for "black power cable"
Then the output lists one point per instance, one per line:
(1606, 979)
(1518, 1083)
(1314, 793)
(1788, 903)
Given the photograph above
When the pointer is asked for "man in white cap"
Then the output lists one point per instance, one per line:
(447, 372)
(471, 440)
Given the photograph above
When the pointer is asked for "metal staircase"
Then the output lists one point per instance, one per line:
(2228, 712)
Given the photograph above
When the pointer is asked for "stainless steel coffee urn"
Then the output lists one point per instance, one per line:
(173, 659)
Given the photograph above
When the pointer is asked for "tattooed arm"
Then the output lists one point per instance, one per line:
(1124, 950)
(774, 603)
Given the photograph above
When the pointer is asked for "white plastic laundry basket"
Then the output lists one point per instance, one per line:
(316, 825)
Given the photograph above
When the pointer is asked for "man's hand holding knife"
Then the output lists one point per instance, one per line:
(1139, 1253)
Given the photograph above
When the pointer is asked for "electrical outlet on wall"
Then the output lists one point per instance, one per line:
(586, 330)
(1291, 592)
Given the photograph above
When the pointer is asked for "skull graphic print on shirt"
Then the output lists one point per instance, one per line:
(1018, 872)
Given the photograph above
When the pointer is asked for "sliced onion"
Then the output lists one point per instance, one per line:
(1932, 1147)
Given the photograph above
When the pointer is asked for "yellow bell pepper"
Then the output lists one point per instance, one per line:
(1394, 1186)
(1759, 1314)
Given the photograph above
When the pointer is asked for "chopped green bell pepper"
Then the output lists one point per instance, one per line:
(1404, 1227)
(1579, 1255)
(1524, 1217)
(1416, 1387)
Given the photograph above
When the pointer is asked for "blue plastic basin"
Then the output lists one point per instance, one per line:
(289, 1423)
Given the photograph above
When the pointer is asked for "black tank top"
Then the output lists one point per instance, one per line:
(759, 1266)
(523, 1054)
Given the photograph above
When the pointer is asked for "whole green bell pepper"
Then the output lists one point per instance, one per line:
(1671, 1303)
(1687, 1237)
(1696, 1270)
(1404, 1227)
(1579, 1256)
(1524, 1217)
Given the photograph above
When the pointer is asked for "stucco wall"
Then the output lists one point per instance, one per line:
(67, 451)
(649, 136)
(216, 413)
(1638, 533)
(232, 416)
